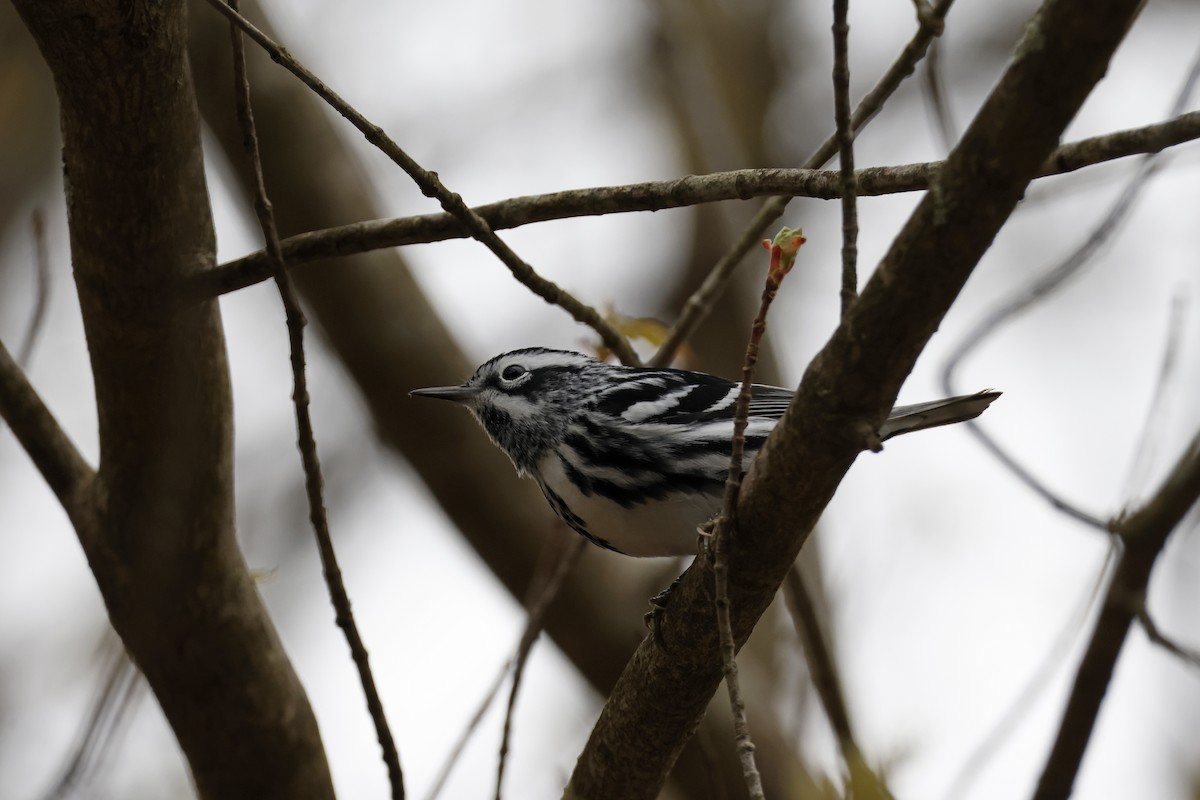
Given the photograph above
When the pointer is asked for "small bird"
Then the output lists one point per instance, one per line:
(635, 458)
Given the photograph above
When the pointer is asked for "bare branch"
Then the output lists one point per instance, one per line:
(845, 139)
(1039, 290)
(362, 237)
(783, 257)
(158, 528)
(464, 737)
(49, 447)
(929, 27)
(825, 678)
(1145, 533)
(42, 291)
(534, 624)
(1038, 682)
(849, 388)
(536, 620)
(314, 482)
(935, 95)
(111, 709)
(1156, 636)
(431, 186)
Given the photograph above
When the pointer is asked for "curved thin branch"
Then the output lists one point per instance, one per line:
(41, 299)
(535, 621)
(362, 237)
(1145, 533)
(1042, 287)
(431, 186)
(930, 24)
(314, 481)
(1188, 655)
(49, 447)
(864, 781)
(1038, 681)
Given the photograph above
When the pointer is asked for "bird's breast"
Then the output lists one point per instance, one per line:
(656, 527)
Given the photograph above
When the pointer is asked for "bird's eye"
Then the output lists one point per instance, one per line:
(512, 372)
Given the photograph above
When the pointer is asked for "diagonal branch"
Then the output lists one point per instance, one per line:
(930, 23)
(431, 186)
(314, 481)
(1145, 533)
(849, 387)
(49, 447)
(1042, 287)
(745, 184)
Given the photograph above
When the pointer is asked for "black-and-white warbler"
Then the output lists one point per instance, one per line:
(636, 458)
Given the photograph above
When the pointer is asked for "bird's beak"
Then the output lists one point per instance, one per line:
(459, 394)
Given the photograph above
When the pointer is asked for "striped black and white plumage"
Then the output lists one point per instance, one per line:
(636, 458)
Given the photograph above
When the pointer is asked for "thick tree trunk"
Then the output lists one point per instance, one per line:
(157, 522)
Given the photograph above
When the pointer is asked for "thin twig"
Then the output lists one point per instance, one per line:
(1145, 532)
(362, 237)
(122, 687)
(1156, 636)
(1038, 682)
(1165, 390)
(845, 139)
(935, 96)
(465, 736)
(826, 677)
(783, 256)
(313, 480)
(431, 186)
(1041, 288)
(929, 27)
(533, 627)
(534, 623)
(41, 298)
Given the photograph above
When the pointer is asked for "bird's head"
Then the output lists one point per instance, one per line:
(524, 399)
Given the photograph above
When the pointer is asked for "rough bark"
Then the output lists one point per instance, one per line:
(157, 523)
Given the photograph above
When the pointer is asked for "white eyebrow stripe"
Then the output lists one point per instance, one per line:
(536, 361)
(653, 408)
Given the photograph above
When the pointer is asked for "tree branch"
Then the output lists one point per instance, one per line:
(314, 481)
(48, 446)
(849, 388)
(845, 140)
(1145, 533)
(375, 318)
(1039, 289)
(431, 186)
(930, 23)
(1155, 635)
(825, 678)
(362, 237)
(159, 534)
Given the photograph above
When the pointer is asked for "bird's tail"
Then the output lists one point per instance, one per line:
(918, 417)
